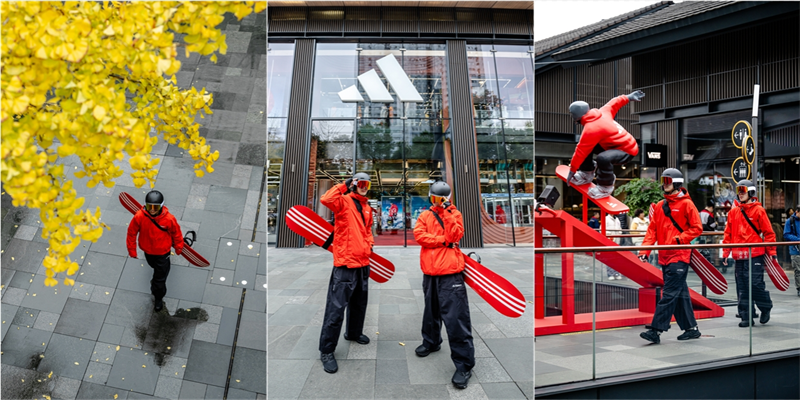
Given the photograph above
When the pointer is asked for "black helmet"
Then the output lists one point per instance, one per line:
(578, 109)
(710, 203)
(746, 186)
(361, 180)
(154, 201)
(439, 192)
(672, 176)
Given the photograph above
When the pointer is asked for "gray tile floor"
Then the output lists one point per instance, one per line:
(101, 338)
(387, 367)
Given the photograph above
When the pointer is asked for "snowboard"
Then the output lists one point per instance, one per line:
(496, 290)
(192, 256)
(776, 274)
(710, 276)
(306, 223)
(609, 204)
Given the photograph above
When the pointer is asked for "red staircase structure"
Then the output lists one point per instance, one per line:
(574, 233)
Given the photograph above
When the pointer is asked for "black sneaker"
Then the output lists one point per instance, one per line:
(651, 336)
(461, 379)
(363, 339)
(764, 317)
(423, 351)
(744, 324)
(690, 334)
(798, 292)
(159, 306)
(329, 363)
(739, 316)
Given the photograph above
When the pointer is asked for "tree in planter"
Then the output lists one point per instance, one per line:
(93, 80)
(640, 193)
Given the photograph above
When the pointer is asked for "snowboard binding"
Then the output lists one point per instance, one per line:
(189, 241)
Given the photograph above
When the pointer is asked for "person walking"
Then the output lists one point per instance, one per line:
(675, 221)
(594, 222)
(709, 225)
(157, 231)
(613, 227)
(791, 233)
(639, 225)
(438, 231)
(347, 288)
(746, 224)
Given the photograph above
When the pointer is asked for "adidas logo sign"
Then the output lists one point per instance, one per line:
(375, 88)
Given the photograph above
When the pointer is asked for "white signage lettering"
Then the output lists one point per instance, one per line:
(654, 155)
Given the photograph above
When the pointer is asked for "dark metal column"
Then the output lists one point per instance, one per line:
(294, 182)
(465, 155)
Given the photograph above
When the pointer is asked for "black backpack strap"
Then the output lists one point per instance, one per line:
(328, 242)
(668, 213)
(438, 218)
(156, 223)
(360, 210)
(746, 218)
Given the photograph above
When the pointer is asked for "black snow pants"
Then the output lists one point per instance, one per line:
(606, 160)
(760, 294)
(446, 301)
(160, 266)
(347, 289)
(674, 299)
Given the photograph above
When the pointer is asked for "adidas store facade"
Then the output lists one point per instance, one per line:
(408, 108)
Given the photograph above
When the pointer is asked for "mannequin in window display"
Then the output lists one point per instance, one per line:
(601, 132)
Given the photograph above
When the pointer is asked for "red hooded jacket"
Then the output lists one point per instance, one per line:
(662, 230)
(435, 258)
(600, 128)
(153, 240)
(739, 231)
(352, 240)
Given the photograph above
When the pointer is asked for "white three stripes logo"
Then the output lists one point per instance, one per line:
(375, 88)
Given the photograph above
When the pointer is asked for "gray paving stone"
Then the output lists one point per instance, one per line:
(249, 370)
(25, 317)
(237, 394)
(489, 370)
(23, 255)
(25, 232)
(227, 326)
(14, 296)
(391, 350)
(82, 319)
(21, 280)
(81, 291)
(213, 225)
(400, 327)
(391, 372)
(253, 330)
(41, 297)
(175, 191)
(203, 363)
(515, 354)
(436, 368)
(282, 340)
(391, 391)
(245, 275)
(9, 309)
(111, 243)
(129, 308)
(222, 296)
(223, 168)
(67, 356)
(102, 295)
(255, 300)
(102, 269)
(227, 254)
(222, 277)
(355, 379)
(473, 391)
(89, 390)
(168, 388)
(111, 334)
(66, 388)
(133, 370)
(192, 390)
(294, 314)
(174, 367)
(226, 200)
(21, 344)
(214, 392)
(97, 373)
(104, 353)
(504, 390)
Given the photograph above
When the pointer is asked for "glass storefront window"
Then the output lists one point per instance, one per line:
(280, 62)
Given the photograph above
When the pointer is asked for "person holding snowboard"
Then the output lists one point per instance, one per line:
(675, 221)
(438, 231)
(791, 233)
(347, 289)
(158, 230)
(599, 129)
(746, 223)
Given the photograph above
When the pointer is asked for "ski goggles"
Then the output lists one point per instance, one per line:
(438, 200)
(153, 208)
(744, 189)
(363, 184)
(667, 180)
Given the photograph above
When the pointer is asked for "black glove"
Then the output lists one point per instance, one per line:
(348, 182)
(569, 178)
(643, 258)
(636, 96)
(446, 204)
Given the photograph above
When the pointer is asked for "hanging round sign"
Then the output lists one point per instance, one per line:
(748, 149)
(740, 170)
(740, 131)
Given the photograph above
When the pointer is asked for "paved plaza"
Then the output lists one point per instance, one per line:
(100, 339)
(387, 367)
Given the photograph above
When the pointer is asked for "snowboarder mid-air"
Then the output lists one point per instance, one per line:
(158, 231)
(347, 289)
(601, 132)
(438, 231)
(675, 220)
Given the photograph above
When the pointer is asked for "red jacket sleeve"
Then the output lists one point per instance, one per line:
(133, 231)
(177, 235)
(454, 225)
(422, 235)
(615, 104)
(766, 227)
(726, 238)
(651, 236)
(334, 197)
(584, 148)
(695, 225)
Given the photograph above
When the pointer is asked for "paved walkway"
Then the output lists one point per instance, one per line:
(387, 367)
(101, 339)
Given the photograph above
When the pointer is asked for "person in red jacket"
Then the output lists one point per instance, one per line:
(438, 231)
(675, 221)
(347, 289)
(600, 130)
(158, 231)
(746, 223)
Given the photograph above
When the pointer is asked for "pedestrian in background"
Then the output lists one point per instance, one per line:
(594, 222)
(791, 233)
(613, 227)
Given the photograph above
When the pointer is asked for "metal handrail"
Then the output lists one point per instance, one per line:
(709, 233)
(555, 250)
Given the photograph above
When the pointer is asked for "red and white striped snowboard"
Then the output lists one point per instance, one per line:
(776, 274)
(188, 253)
(306, 223)
(496, 290)
(710, 276)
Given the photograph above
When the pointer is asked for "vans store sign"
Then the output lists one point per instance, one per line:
(375, 88)
(655, 155)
